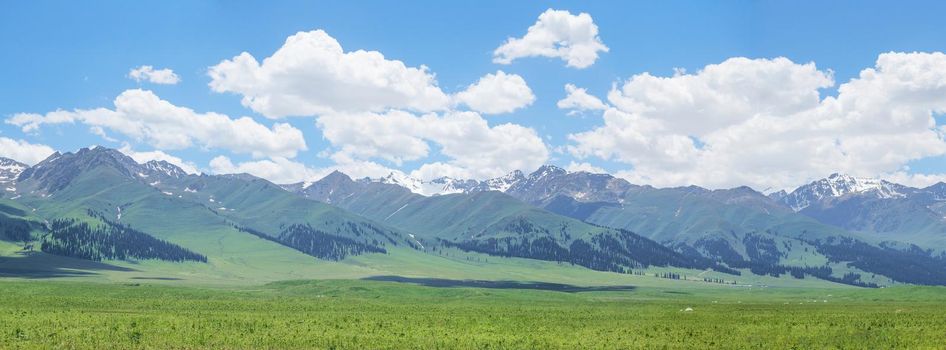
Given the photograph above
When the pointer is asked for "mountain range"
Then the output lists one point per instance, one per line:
(877, 208)
(739, 227)
(99, 204)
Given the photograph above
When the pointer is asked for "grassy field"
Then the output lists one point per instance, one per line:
(253, 261)
(354, 314)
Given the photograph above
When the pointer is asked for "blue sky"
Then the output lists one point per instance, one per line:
(70, 55)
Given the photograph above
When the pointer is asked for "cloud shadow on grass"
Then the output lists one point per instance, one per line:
(448, 283)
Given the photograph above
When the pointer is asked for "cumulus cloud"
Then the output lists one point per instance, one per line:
(23, 151)
(584, 166)
(558, 34)
(474, 148)
(392, 136)
(373, 109)
(762, 122)
(100, 132)
(497, 93)
(142, 115)
(915, 180)
(156, 76)
(277, 170)
(312, 75)
(285, 171)
(578, 100)
(147, 156)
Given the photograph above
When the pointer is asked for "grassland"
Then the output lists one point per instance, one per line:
(240, 260)
(353, 314)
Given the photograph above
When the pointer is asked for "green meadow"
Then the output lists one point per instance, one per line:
(360, 314)
(253, 293)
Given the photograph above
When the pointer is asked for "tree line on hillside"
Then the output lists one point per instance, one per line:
(612, 250)
(320, 244)
(14, 229)
(110, 241)
(764, 259)
(911, 265)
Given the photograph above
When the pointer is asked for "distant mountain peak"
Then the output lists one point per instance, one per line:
(744, 190)
(52, 158)
(839, 185)
(548, 170)
(164, 168)
(842, 184)
(502, 184)
(8, 161)
(9, 171)
(59, 169)
(336, 175)
(937, 191)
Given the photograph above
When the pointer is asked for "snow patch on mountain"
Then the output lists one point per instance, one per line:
(446, 185)
(439, 186)
(164, 168)
(10, 170)
(502, 184)
(839, 185)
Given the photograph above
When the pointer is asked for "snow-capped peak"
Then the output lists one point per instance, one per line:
(447, 185)
(165, 168)
(547, 170)
(418, 186)
(10, 170)
(839, 185)
(502, 184)
(11, 166)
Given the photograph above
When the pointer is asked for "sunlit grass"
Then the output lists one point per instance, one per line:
(380, 315)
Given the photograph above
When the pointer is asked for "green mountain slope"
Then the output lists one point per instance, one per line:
(102, 182)
(740, 227)
(495, 223)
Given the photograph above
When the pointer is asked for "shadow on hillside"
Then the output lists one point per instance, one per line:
(158, 278)
(446, 283)
(41, 265)
(11, 210)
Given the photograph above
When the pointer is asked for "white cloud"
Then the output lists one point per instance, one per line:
(586, 167)
(358, 168)
(762, 123)
(578, 100)
(557, 33)
(140, 114)
(372, 109)
(144, 157)
(473, 148)
(100, 132)
(285, 171)
(485, 151)
(392, 136)
(23, 151)
(157, 76)
(312, 75)
(277, 170)
(723, 94)
(497, 93)
(436, 170)
(915, 180)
